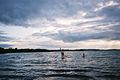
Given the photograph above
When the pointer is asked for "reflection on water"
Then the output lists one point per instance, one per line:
(97, 65)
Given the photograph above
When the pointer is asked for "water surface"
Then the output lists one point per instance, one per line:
(97, 65)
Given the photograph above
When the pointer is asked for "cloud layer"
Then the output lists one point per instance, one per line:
(66, 21)
(3, 37)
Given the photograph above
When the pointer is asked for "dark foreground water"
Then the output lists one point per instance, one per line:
(97, 65)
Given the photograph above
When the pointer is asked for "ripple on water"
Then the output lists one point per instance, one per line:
(49, 66)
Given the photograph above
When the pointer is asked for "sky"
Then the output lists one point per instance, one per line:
(51, 24)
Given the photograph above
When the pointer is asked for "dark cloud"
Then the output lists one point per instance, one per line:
(5, 45)
(81, 36)
(111, 12)
(18, 12)
(3, 37)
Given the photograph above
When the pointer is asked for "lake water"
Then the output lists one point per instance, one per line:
(97, 65)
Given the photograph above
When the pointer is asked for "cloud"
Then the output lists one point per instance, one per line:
(67, 21)
(3, 37)
(67, 36)
(110, 10)
(19, 12)
(5, 45)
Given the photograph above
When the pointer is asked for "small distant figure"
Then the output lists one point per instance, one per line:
(62, 54)
(83, 55)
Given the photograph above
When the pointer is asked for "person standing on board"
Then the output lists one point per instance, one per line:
(83, 55)
(62, 54)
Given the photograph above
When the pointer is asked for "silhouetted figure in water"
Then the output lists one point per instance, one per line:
(83, 55)
(62, 54)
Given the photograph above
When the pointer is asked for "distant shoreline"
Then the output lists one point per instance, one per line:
(15, 50)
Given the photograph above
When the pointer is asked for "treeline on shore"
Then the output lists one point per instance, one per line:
(14, 50)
